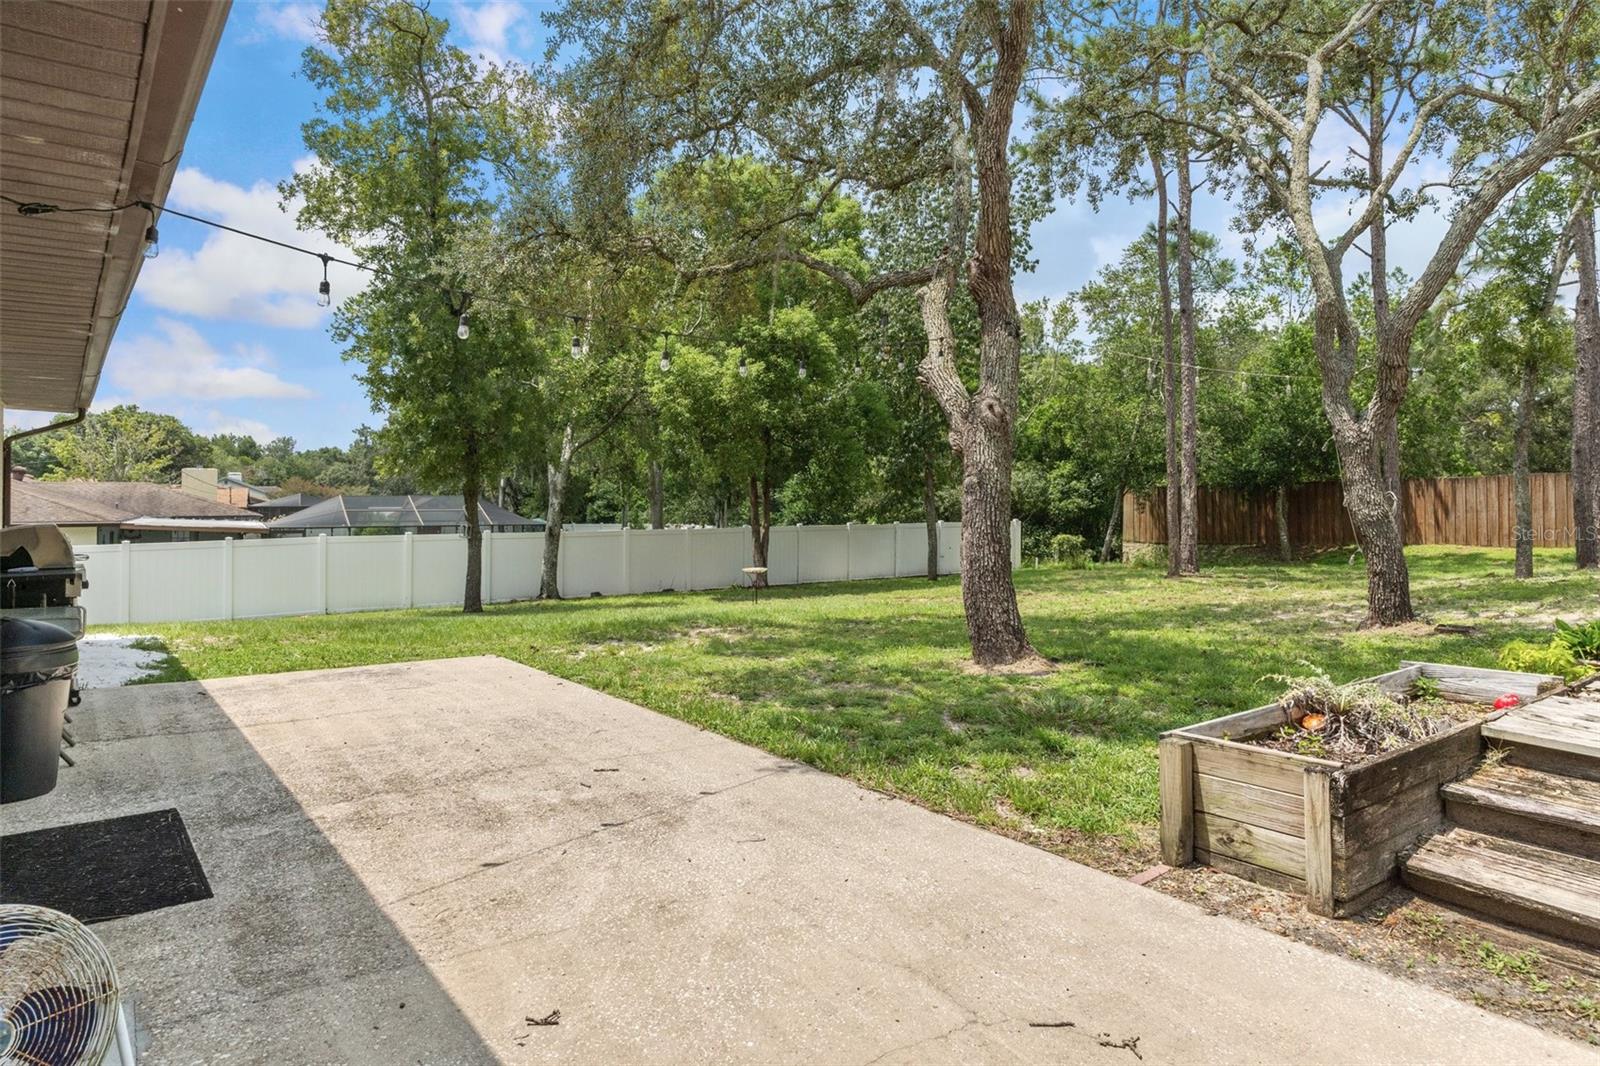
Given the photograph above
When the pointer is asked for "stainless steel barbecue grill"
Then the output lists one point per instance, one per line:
(40, 577)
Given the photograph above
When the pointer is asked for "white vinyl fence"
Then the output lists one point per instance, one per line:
(204, 580)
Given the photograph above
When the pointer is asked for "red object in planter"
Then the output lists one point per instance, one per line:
(1508, 700)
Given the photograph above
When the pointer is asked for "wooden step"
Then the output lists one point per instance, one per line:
(1539, 888)
(1560, 734)
(1550, 810)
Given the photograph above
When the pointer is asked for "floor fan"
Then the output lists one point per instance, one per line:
(60, 1002)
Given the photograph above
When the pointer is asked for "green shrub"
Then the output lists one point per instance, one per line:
(1552, 658)
(1583, 638)
(1070, 550)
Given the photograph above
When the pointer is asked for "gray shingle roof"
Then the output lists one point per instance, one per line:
(109, 503)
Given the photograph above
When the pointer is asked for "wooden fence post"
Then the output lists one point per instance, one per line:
(1319, 842)
(1176, 758)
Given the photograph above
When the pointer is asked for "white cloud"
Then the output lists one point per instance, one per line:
(295, 22)
(217, 422)
(234, 277)
(1108, 249)
(180, 363)
(486, 27)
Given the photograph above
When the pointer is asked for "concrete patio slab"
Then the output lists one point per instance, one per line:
(412, 861)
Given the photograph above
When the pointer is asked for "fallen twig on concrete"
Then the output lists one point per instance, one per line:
(1131, 1043)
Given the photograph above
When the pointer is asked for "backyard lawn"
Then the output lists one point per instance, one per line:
(868, 680)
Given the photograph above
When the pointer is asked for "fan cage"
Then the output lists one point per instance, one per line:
(59, 996)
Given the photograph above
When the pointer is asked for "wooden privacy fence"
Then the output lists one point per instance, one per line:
(1473, 511)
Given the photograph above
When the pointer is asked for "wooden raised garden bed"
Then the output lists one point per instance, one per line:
(1330, 830)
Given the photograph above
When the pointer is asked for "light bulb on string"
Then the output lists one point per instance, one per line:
(577, 346)
(744, 367)
(463, 331)
(666, 355)
(324, 290)
(152, 238)
(800, 368)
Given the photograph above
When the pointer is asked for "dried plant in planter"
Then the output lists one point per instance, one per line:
(1358, 720)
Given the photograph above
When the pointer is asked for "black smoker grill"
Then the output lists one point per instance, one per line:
(40, 578)
(40, 621)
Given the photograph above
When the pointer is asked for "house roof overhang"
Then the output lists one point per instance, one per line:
(95, 104)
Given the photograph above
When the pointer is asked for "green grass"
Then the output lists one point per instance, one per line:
(867, 679)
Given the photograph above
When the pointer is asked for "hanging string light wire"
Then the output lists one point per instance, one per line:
(33, 208)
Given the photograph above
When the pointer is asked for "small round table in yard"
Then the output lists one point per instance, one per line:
(754, 572)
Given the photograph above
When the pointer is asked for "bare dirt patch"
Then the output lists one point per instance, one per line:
(1032, 666)
(701, 634)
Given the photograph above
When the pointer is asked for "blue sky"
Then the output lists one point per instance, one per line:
(225, 332)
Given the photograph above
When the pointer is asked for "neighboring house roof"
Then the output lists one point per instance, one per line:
(399, 512)
(109, 503)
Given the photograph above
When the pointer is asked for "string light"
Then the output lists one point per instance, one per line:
(152, 236)
(800, 368)
(577, 346)
(463, 331)
(324, 291)
(744, 367)
(666, 354)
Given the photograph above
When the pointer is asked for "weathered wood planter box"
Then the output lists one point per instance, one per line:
(1331, 831)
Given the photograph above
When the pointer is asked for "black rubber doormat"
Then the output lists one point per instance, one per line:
(96, 871)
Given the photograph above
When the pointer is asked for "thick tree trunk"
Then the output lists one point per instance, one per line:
(760, 526)
(981, 430)
(471, 488)
(1391, 463)
(1519, 471)
(993, 621)
(1280, 512)
(1367, 499)
(1373, 512)
(1586, 395)
(555, 518)
(1169, 372)
(1189, 524)
(930, 515)
(657, 497)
